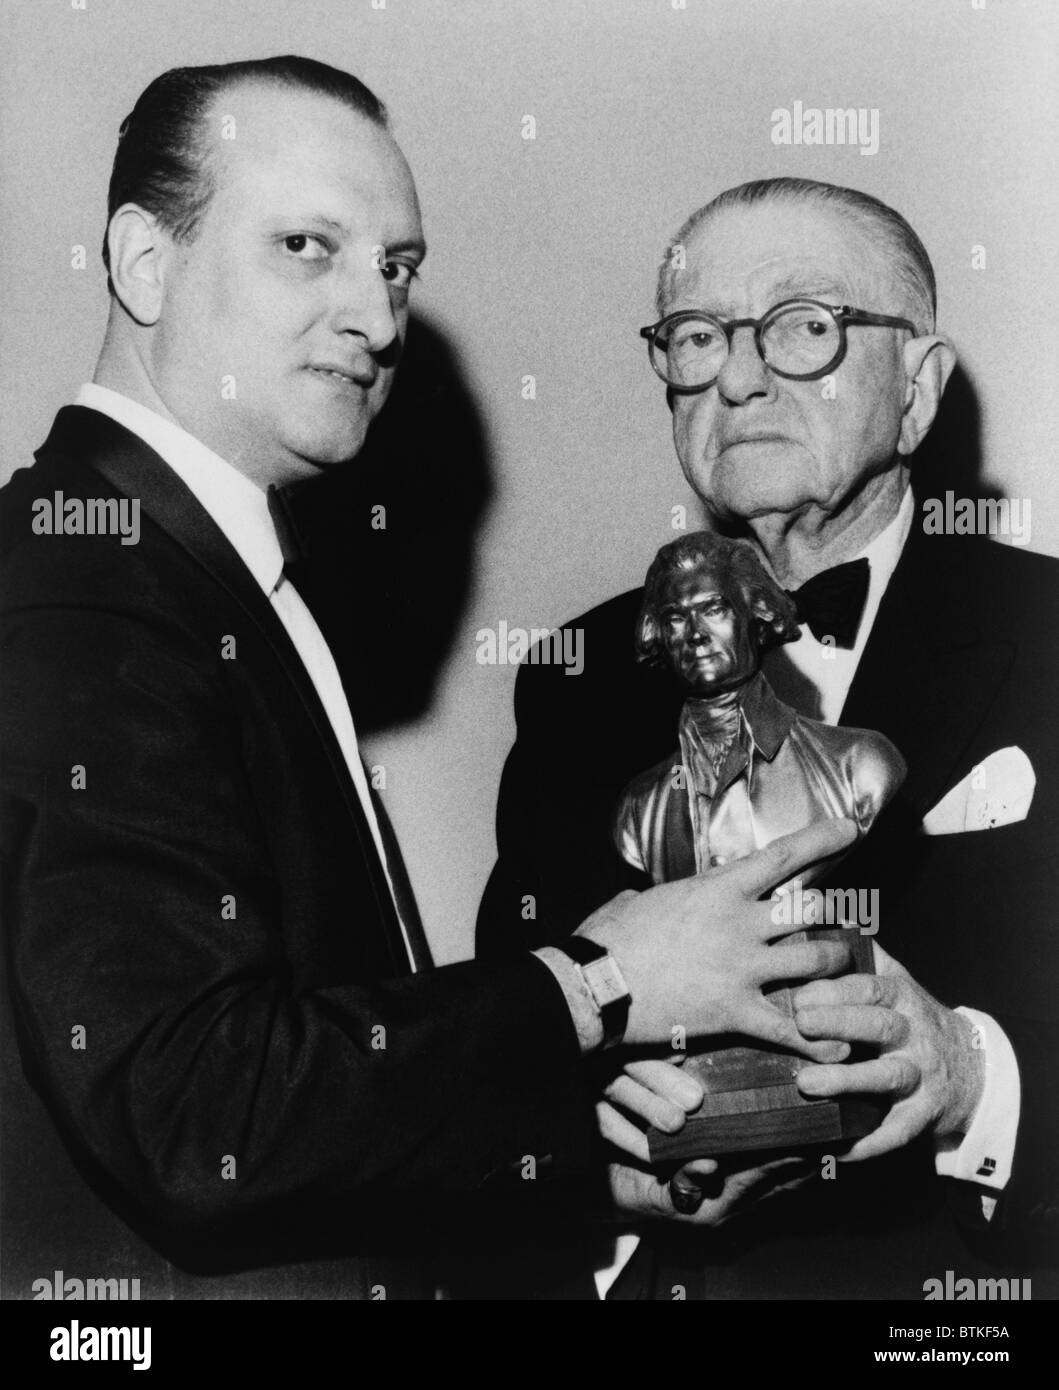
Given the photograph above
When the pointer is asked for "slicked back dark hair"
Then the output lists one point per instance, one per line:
(162, 161)
(736, 564)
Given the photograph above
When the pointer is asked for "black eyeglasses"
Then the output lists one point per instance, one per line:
(800, 339)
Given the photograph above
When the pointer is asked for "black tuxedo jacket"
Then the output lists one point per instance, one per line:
(961, 662)
(219, 1076)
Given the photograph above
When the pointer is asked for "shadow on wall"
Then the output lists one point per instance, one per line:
(391, 536)
(950, 458)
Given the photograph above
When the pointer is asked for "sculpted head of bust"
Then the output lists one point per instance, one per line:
(710, 609)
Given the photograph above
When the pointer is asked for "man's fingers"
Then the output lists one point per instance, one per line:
(805, 960)
(794, 1180)
(900, 1126)
(622, 1133)
(768, 1024)
(647, 1104)
(752, 1185)
(688, 1187)
(894, 1074)
(762, 870)
(788, 1161)
(850, 989)
(685, 1200)
(855, 1023)
(698, 1168)
(667, 1080)
(829, 1050)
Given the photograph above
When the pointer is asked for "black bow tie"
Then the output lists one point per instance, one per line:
(831, 603)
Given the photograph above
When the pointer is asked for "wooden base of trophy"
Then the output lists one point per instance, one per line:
(752, 1102)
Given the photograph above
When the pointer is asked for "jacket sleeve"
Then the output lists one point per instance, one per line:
(174, 1047)
(1027, 1213)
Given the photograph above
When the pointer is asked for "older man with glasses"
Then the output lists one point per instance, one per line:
(796, 337)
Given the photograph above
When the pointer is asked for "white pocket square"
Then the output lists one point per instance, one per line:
(996, 792)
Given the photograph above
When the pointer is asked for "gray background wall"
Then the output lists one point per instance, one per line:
(543, 255)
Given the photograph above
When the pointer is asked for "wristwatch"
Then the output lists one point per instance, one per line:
(604, 981)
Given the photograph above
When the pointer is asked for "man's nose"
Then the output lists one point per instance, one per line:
(363, 306)
(744, 375)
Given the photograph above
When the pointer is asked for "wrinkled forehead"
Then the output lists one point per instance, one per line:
(742, 260)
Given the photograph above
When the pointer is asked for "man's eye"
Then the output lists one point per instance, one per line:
(688, 337)
(804, 326)
(305, 247)
(398, 274)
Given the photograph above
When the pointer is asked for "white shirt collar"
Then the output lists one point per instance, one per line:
(882, 555)
(237, 505)
(884, 551)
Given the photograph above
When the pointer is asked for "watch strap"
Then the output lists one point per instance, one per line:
(604, 982)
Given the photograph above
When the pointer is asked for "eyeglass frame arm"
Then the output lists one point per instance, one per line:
(843, 314)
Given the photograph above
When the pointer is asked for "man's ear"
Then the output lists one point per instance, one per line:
(928, 363)
(135, 242)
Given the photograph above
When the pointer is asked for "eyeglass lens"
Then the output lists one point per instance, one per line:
(800, 339)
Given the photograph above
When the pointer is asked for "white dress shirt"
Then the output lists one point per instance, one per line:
(829, 668)
(240, 509)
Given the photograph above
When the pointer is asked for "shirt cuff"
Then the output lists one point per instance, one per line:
(583, 1008)
(986, 1152)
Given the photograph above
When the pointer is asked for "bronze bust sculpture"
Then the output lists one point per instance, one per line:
(749, 769)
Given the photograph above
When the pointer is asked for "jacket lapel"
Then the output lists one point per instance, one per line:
(927, 676)
(136, 471)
